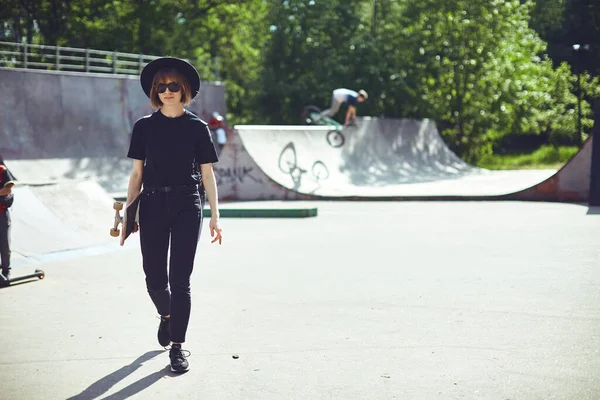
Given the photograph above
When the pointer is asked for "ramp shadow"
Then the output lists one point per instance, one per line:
(103, 385)
(397, 152)
(112, 173)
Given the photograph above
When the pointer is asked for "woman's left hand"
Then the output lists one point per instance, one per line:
(215, 229)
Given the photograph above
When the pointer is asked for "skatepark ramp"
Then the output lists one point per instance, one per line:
(57, 126)
(60, 217)
(378, 159)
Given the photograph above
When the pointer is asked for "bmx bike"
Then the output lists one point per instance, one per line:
(335, 137)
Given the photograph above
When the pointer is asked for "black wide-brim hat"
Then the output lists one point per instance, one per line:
(185, 68)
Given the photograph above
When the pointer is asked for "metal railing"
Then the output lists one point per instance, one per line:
(33, 56)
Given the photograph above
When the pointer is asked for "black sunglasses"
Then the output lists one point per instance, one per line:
(173, 87)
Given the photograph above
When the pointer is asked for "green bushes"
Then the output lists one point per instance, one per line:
(544, 157)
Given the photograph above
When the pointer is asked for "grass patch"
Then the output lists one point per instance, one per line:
(546, 157)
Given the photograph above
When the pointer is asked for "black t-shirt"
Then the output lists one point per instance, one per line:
(352, 101)
(172, 148)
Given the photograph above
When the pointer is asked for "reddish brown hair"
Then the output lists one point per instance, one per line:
(167, 75)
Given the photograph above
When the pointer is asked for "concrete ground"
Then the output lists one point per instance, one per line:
(403, 300)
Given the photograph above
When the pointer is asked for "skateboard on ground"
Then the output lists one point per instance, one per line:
(129, 220)
(7, 282)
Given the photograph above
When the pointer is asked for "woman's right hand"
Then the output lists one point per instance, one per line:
(215, 228)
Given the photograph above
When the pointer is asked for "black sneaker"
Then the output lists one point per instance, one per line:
(164, 332)
(178, 361)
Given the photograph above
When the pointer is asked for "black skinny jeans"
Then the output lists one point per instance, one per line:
(174, 217)
(5, 240)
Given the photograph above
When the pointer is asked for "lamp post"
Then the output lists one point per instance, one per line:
(594, 189)
(579, 48)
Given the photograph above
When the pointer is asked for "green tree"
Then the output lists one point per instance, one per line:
(547, 18)
(16, 22)
(309, 53)
(481, 72)
(381, 60)
(231, 32)
(200, 31)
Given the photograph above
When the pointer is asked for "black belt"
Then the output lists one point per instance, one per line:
(167, 189)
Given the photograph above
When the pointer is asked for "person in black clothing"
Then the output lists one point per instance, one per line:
(6, 200)
(173, 152)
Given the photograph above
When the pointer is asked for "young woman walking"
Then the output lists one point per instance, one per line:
(173, 153)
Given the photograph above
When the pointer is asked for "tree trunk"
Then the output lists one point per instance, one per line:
(29, 28)
(17, 27)
(143, 34)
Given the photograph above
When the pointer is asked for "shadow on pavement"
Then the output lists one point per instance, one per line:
(140, 385)
(103, 385)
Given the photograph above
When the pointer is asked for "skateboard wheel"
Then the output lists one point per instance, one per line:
(118, 205)
(115, 232)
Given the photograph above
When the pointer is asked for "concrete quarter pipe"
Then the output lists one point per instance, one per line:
(379, 159)
(61, 126)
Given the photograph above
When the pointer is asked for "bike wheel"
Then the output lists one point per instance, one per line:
(335, 138)
(306, 114)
